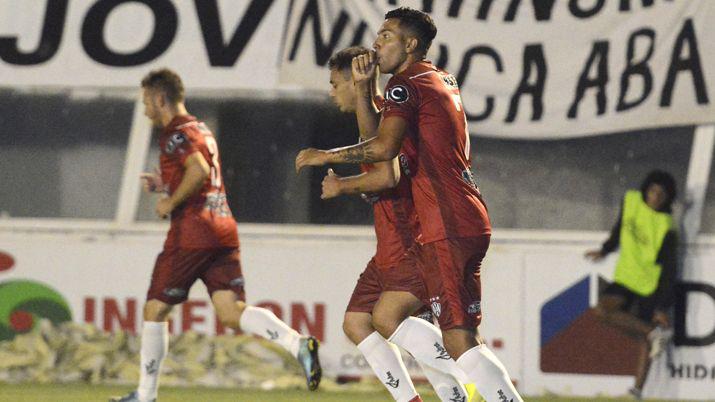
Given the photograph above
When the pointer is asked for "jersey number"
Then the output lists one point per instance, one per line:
(457, 100)
(216, 168)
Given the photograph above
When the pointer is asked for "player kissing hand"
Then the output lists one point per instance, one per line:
(309, 157)
(331, 185)
(363, 68)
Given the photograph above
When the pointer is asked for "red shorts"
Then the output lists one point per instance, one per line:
(451, 270)
(374, 280)
(177, 269)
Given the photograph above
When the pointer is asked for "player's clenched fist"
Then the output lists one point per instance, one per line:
(331, 185)
(164, 207)
(309, 157)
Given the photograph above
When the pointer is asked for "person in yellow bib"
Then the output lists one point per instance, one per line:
(638, 300)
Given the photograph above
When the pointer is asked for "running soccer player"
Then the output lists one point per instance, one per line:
(388, 191)
(423, 105)
(202, 242)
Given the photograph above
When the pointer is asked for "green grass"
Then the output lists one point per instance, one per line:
(94, 393)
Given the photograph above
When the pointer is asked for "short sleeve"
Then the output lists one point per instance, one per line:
(401, 99)
(379, 102)
(180, 145)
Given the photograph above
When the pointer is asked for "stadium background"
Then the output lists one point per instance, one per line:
(74, 141)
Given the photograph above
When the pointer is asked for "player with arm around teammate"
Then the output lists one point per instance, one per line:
(388, 191)
(423, 105)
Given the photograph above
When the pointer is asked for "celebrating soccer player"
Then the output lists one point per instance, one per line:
(423, 105)
(388, 190)
(202, 242)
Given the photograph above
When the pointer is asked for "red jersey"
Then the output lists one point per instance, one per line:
(446, 197)
(203, 220)
(396, 224)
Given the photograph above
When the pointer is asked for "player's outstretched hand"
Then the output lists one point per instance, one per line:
(363, 68)
(152, 182)
(331, 185)
(309, 157)
(594, 255)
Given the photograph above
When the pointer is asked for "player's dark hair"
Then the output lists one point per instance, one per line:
(664, 179)
(166, 81)
(417, 22)
(343, 59)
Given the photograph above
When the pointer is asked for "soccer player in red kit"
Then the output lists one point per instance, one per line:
(388, 191)
(423, 105)
(202, 242)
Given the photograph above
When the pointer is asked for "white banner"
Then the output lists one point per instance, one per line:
(536, 300)
(527, 69)
(541, 69)
(214, 44)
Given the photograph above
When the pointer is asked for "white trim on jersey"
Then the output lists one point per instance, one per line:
(421, 74)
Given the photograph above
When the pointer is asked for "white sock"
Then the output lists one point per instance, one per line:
(448, 389)
(424, 342)
(485, 370)
(262, 322)
(386, 362)
(155, 344)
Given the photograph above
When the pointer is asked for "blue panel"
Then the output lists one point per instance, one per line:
(559, 312)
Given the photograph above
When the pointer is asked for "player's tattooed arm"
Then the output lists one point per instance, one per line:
(385, 146)
(364, 152)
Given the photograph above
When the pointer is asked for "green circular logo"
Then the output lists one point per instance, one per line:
(23, 303)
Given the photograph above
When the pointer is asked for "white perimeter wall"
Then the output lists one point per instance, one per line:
(307, 273)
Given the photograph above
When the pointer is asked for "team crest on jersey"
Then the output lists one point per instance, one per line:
(436, 306)
(405, 164)
(398, 94)
(175, 140)
(450, 80)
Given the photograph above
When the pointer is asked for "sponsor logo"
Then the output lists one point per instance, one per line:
(152, 367)
(404, 164)
(392, 381)
(427, 316)
(25, 302)
(457, 395)
(468, 177)
(503, 397)
(398, 94)
(217, 204)
(273, 335)
(441, 352)
(237, 281)
(691, 371)
(450, 80)
(175, 292)
(474, 308)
